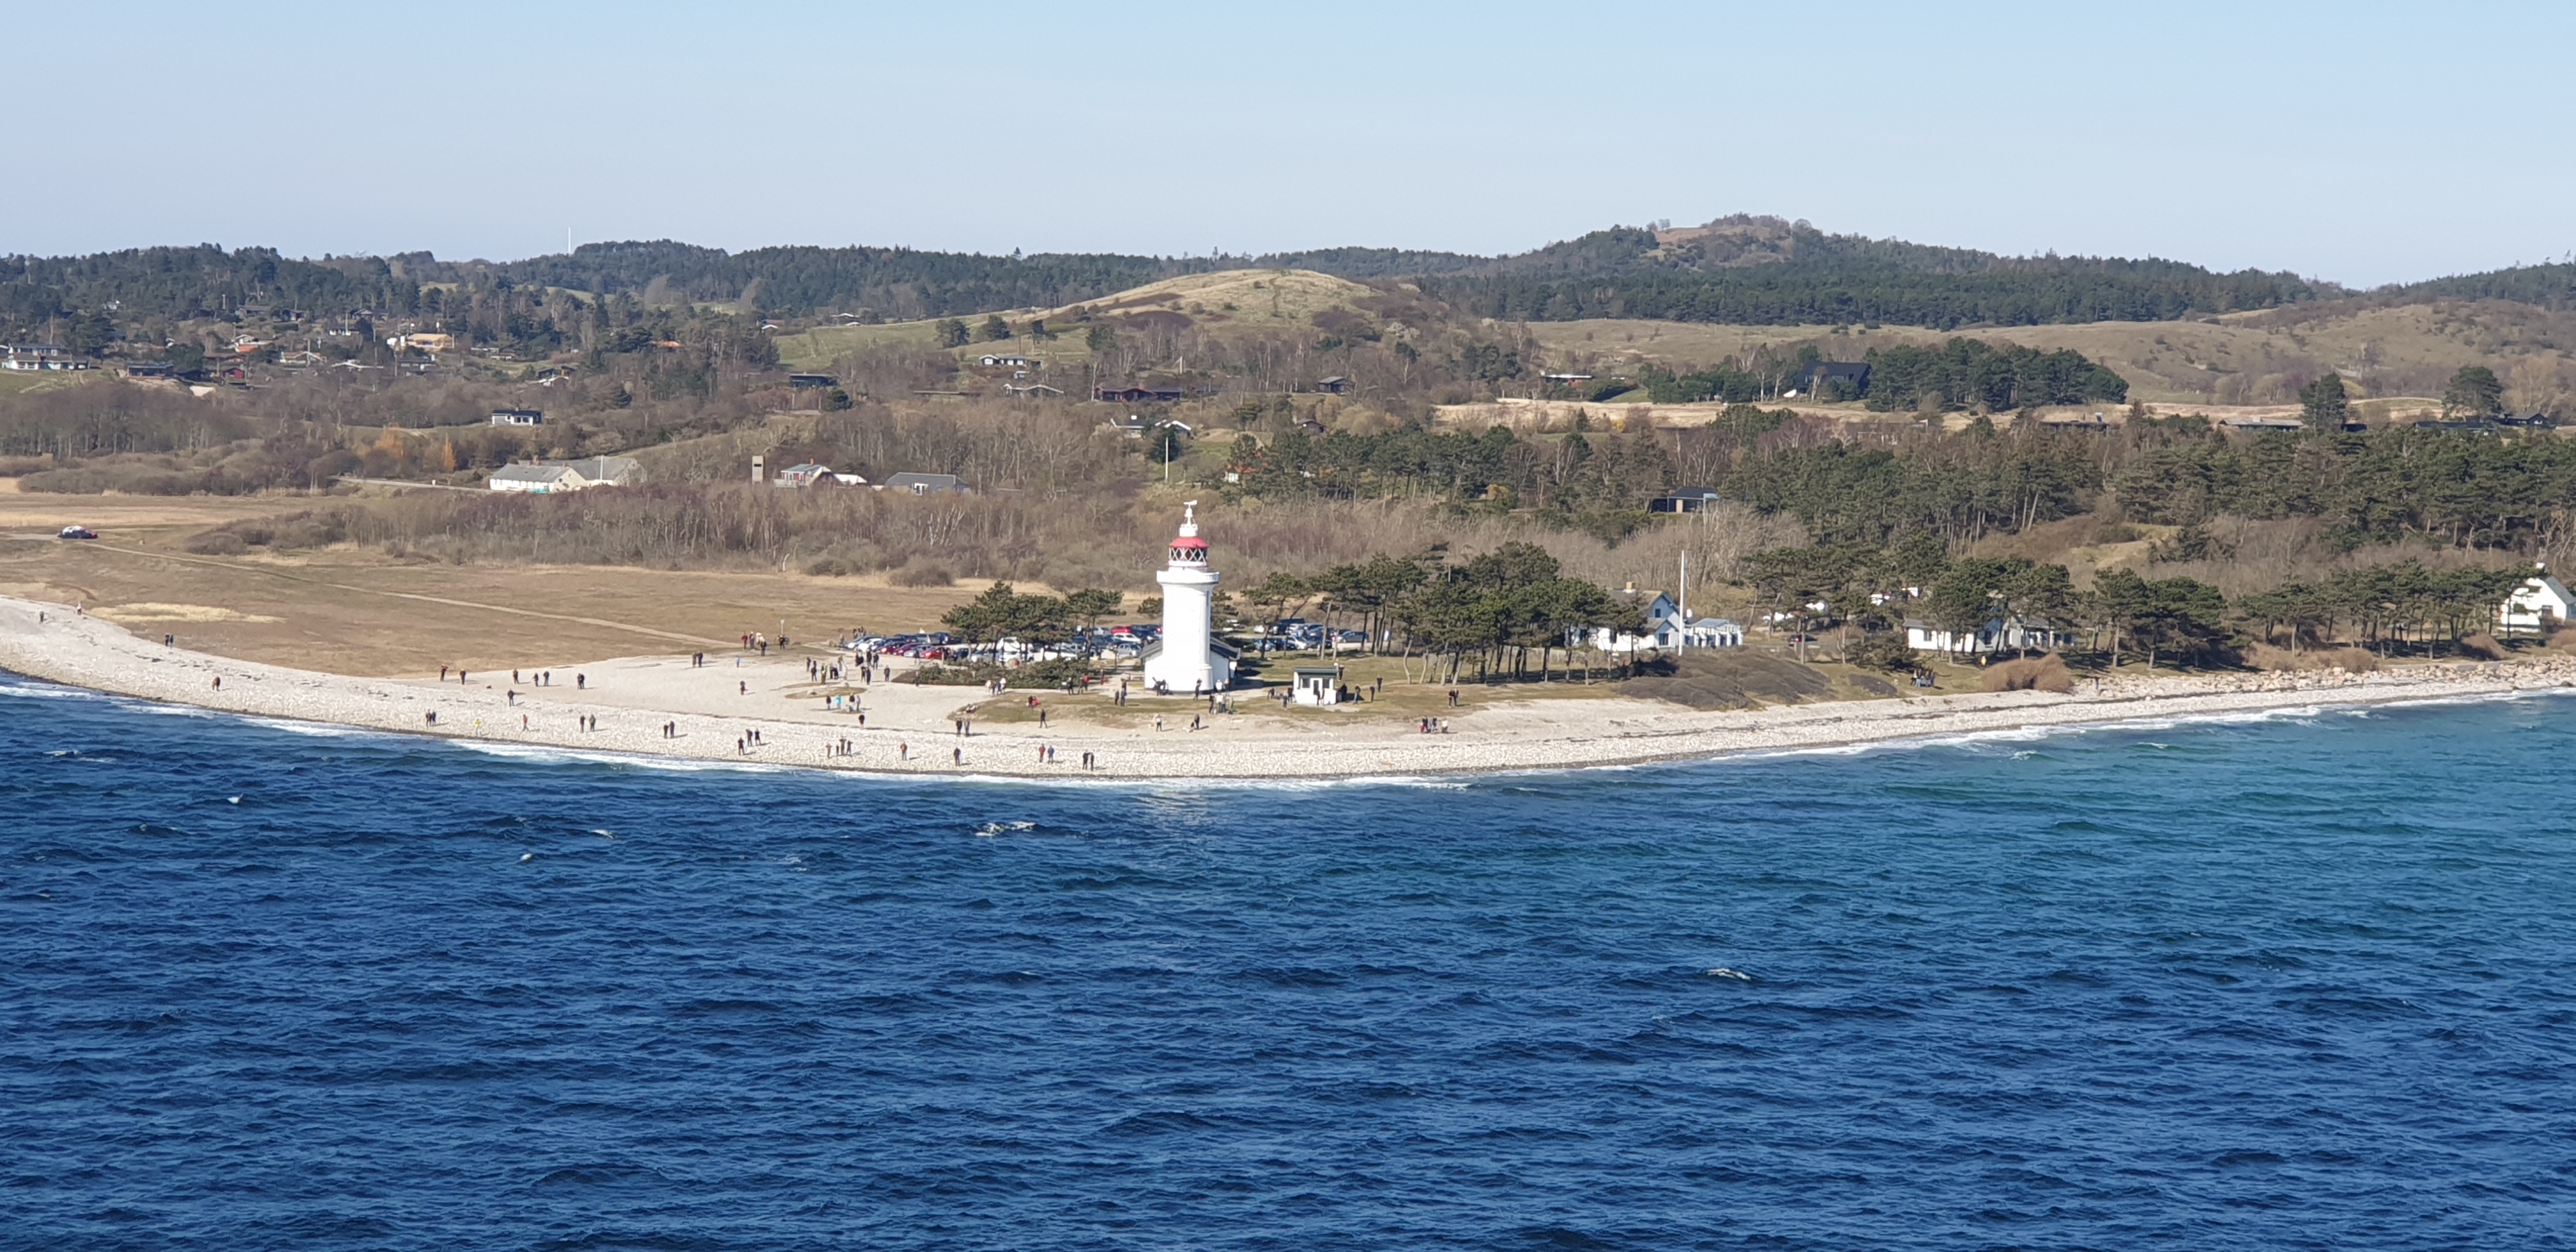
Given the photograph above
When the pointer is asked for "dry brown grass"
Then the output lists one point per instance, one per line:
(2264, 656)
(2042, 673)
(2482, 646)
(2239, 359)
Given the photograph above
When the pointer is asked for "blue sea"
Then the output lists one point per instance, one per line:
(2305, 981)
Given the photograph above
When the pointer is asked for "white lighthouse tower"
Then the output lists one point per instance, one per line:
(1188, 660)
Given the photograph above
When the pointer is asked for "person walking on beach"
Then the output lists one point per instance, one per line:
(745, 685)
(903, 752)
(957, 756)
(219, 682)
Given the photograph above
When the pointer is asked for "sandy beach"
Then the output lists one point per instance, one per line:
(768, 710)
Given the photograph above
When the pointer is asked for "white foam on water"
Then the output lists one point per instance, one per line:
(314, 730)
(541, 754)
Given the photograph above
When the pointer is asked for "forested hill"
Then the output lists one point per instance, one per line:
(188, 282)
(208, 281)
(894, 282)
(1745, 269)
(1764, 270)
(2551, 286)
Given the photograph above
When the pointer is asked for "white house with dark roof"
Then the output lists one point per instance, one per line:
(809, 474)
(545, 478)
(1998, 634)
(2537, 603)
(1707, 632)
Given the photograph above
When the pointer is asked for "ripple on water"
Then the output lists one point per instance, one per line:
(2274, 980)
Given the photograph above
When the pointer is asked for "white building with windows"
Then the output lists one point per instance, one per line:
(2538, 602)
(1707, 632)
(547, 478)
(1998, 634)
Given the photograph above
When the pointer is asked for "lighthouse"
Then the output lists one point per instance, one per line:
(1188, 659)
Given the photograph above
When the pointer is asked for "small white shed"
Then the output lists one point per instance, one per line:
(1316, 686)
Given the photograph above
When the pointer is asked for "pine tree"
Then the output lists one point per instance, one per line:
(2324, 405)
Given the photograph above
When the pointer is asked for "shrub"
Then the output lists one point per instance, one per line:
(2482, 646)
(1884, 650)
(921, 572)
(2281, 660)
(2047, 673)
(307, 529)
(1055, 673)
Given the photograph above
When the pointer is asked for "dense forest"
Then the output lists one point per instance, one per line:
(2551, 286)
(1743, 269)
(1833, 292)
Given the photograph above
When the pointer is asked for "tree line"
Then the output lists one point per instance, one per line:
(1880, 589)
(2018, 293)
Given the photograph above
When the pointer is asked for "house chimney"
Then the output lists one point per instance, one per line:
(760, 469)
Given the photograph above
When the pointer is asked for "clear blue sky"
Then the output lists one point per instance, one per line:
(2363, 143)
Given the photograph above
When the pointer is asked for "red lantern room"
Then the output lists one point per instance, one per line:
(1189, 550)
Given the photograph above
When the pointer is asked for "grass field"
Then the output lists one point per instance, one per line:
(14, 383)
(1230, 300)
(1244, 299)
(2245, 359)
(817, 348)
(353, 611)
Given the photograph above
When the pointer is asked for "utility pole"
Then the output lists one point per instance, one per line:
(1681, 629)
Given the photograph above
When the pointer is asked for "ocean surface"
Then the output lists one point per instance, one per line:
(2306, 981)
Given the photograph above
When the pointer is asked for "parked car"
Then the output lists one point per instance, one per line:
(78, 532)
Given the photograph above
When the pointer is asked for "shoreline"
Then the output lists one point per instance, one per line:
(717, 708)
